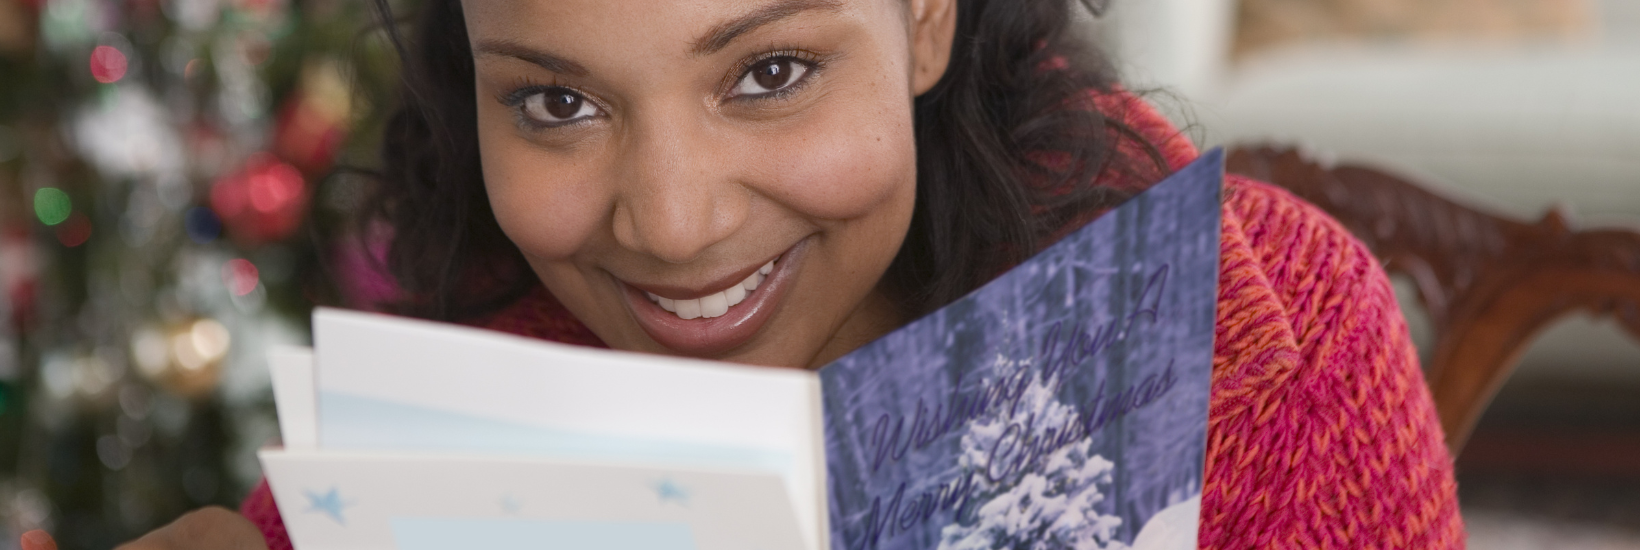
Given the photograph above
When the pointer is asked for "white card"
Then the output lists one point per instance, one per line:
(295, 395)
(338, 500)
(394, 384)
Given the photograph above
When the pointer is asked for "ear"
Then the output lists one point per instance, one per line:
(933, 24)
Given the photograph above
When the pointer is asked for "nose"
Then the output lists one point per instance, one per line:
(677, 193)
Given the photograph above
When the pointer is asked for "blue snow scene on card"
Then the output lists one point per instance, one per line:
(1061, 406)
(520, 534)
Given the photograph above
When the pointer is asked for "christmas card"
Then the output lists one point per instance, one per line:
(1062, 405)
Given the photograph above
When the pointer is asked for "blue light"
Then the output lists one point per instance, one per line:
(202, 224)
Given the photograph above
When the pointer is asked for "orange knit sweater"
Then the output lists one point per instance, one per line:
(1321, 433)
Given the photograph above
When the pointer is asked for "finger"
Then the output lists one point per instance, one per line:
(209, 528)
(38, 540)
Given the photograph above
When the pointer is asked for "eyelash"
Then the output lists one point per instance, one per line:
(526, 87)
(813, 63)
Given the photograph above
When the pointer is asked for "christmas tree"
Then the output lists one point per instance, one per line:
(168, 186)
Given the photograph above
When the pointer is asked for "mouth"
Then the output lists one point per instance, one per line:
(716, 304)
(709, 321)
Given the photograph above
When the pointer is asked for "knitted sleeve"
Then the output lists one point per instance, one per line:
(260, 508)
(1321, 432)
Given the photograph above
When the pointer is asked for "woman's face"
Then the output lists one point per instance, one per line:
(714, 178)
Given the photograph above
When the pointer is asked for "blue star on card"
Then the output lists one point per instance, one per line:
(510, 505)
(329, 503)
(667, 490)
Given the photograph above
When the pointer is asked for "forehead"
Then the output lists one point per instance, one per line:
(695, 24)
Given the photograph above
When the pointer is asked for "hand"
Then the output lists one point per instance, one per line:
(38, 540)
(210, 528)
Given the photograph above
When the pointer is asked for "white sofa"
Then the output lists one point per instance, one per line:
(1512, 129)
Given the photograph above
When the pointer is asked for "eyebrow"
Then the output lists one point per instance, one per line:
(714, 40)
(508, 48)
(721, 35)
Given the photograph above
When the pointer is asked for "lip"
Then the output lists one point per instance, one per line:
(706, 337)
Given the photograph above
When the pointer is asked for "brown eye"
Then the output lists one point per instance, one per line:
(770, 76)
(773, 74)
(563, 105)
(558, 106)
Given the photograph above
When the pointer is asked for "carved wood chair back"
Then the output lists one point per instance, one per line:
(1489, 283)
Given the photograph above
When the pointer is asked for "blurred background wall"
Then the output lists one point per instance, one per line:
(1511, 106)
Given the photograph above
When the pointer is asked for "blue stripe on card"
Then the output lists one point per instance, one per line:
(518, 534)
(351, 422)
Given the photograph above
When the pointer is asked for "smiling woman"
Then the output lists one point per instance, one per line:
(676, 155)
(769, 182)
(778, 182)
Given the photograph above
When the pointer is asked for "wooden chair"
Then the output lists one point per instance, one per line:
(1489, 283)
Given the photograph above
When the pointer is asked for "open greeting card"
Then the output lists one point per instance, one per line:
(1062, 405)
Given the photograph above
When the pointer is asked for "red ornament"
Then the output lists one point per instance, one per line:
(261, 202)
(308, 135)
(241, 276)
(75, 231)
(108, 64)
(314, 122)
(19, 273)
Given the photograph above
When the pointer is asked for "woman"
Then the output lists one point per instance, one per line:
(780, 181)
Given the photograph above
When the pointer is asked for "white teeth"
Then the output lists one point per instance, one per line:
(715, 304)
(688, 309)
(735, 294)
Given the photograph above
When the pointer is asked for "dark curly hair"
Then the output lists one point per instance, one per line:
(1008, 146)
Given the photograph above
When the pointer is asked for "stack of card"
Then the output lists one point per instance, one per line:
(409, 434)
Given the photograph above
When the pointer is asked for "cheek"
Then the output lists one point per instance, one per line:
(849, 164)
(548, 204)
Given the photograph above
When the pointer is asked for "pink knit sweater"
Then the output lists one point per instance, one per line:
(1321, 433)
